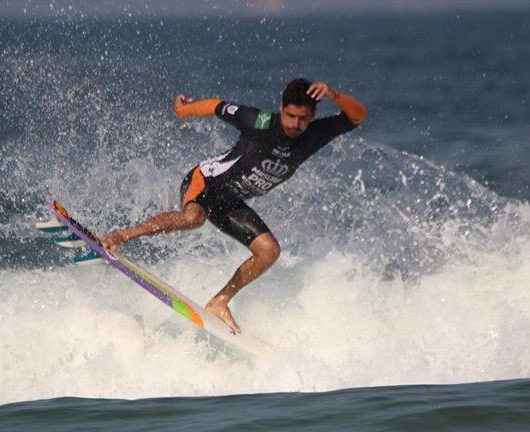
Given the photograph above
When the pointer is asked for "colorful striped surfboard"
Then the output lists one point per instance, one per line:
(158, 288)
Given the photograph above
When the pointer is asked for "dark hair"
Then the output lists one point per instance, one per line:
(296, 94)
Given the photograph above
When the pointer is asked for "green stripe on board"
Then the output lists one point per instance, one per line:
(180, 307)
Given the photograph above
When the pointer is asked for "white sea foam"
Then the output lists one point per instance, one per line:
(335, 324)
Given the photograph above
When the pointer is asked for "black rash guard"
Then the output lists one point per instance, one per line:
(263, 158)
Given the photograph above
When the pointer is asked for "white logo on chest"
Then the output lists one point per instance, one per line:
(276, 168)
(281, 152)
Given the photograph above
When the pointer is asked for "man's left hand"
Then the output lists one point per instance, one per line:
(320, 89)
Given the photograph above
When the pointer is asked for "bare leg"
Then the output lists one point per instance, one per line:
(192, 216)
(265, 251)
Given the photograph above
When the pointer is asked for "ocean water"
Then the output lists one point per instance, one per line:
(401, 300)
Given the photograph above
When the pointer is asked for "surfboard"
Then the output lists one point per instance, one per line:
(181, 304)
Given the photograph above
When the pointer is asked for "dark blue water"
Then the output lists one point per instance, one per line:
(473, 407)
(405, 244)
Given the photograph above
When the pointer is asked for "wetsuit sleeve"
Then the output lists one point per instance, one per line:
(239, 116)
(324, 130)
(328, 128)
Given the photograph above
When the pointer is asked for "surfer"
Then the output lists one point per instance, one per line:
(270, 148)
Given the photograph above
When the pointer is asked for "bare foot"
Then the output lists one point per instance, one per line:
(113, 240)
(222, 312)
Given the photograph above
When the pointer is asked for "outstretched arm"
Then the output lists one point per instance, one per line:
(186, 107)
(354, 110)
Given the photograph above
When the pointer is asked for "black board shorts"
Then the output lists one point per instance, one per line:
(225, 210)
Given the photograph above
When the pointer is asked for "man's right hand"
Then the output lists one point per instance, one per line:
(113, 240)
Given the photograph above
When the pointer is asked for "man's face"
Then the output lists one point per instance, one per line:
(295, 119)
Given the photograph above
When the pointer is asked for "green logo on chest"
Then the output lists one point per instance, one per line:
(263, 120)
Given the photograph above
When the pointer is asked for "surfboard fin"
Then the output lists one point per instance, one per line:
(88, 257)
(51, 226)
(70, 241)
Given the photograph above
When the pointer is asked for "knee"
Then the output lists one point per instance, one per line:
(194, 216)
(267, 250)
(274, 252)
